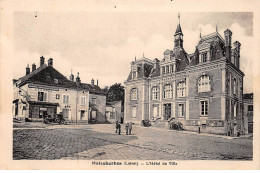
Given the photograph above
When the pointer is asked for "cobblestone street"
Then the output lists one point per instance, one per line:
(99, 142)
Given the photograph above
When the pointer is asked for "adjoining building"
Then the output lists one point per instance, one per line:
(248, 112)
(45, 91)
(202, 90)
(114, 112)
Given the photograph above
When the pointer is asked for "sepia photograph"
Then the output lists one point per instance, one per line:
(137, 89)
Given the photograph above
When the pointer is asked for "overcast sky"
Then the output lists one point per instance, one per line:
(102, 45)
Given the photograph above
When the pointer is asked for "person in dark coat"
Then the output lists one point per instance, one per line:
(126, 128)
(130, 128)
(117, 126)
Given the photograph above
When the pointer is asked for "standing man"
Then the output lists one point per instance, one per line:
(126, 128)
(117, 126)
(130, 127)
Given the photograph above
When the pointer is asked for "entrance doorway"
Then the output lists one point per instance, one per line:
(82, 114)
(167, 111)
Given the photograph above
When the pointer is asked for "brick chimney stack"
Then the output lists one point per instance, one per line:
(50, 62)
(92, 81)
(228, 38)
(33, 67)
(41, 60)
(27, 69)
(78, 78)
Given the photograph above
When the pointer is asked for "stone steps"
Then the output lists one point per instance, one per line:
(159, 124)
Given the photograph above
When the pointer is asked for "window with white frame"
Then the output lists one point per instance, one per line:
(204, 108)
(42, 96)
(83, 100)
(167, 69)
(181, 89)
(134, 74)
(234, 86)
(235, 110)
(134, 94)
(204, 84)
(94, 101)
(167, 91)
(181, 110)
(155, 93)
(66, 99)
(163, 70)
(204, 57)
(134, 112)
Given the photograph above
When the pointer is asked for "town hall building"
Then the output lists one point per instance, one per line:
(202, 90)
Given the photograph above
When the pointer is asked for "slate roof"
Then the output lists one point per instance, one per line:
(178, 30)
(47, 75)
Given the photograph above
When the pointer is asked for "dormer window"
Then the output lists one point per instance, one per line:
(134, 75)
(163, 70)
(56, 81)
(204, 57)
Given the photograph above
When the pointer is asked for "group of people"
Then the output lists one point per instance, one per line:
(128, 128)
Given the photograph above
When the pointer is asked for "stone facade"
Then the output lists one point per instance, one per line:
(114, 112)
(202, 90)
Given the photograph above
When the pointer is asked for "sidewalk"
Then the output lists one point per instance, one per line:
(201, 134)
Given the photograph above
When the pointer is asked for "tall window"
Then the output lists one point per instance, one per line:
(167, 69)
(181, 89)
(66, 99)
(204, 84)
(204, 57)
(134, 74)
(163, 70)
(234, 86)
(167, 91)
(235, 110)
(155, 93)
(204, 108)
(134, 112)
(42, 96)
(172, 69)
(134, 94)
(94, 101)
(181, 110)
(83, 100)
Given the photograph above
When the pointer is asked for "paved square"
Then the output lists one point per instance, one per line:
(99, 141)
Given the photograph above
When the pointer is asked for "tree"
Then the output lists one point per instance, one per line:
(116, 93)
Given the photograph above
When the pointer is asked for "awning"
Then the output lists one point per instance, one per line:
(17, 100)
(43, 103)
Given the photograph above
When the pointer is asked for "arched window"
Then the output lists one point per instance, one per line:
(204, 84)
(167, 91)
(181, 89)
(155, 93)
(134, 94)
(234, 86)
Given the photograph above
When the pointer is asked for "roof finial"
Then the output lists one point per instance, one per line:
(71, 71)
(200, 33)
(78, 74)
(143, 55)
(216, 27)
(179, 18)
(135, 57)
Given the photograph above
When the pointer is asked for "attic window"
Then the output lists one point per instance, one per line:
(56, 81)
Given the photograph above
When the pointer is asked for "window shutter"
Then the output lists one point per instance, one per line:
(44, 96)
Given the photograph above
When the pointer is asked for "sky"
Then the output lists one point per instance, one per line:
(101, 45)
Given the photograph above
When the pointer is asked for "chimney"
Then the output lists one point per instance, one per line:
(228, 36)
(41, 60)
(27, 69)
(33, 67)
(78, 78)
(72, 77)
(50, 62)
(237, 46)
(92, 81)
(97, 82)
